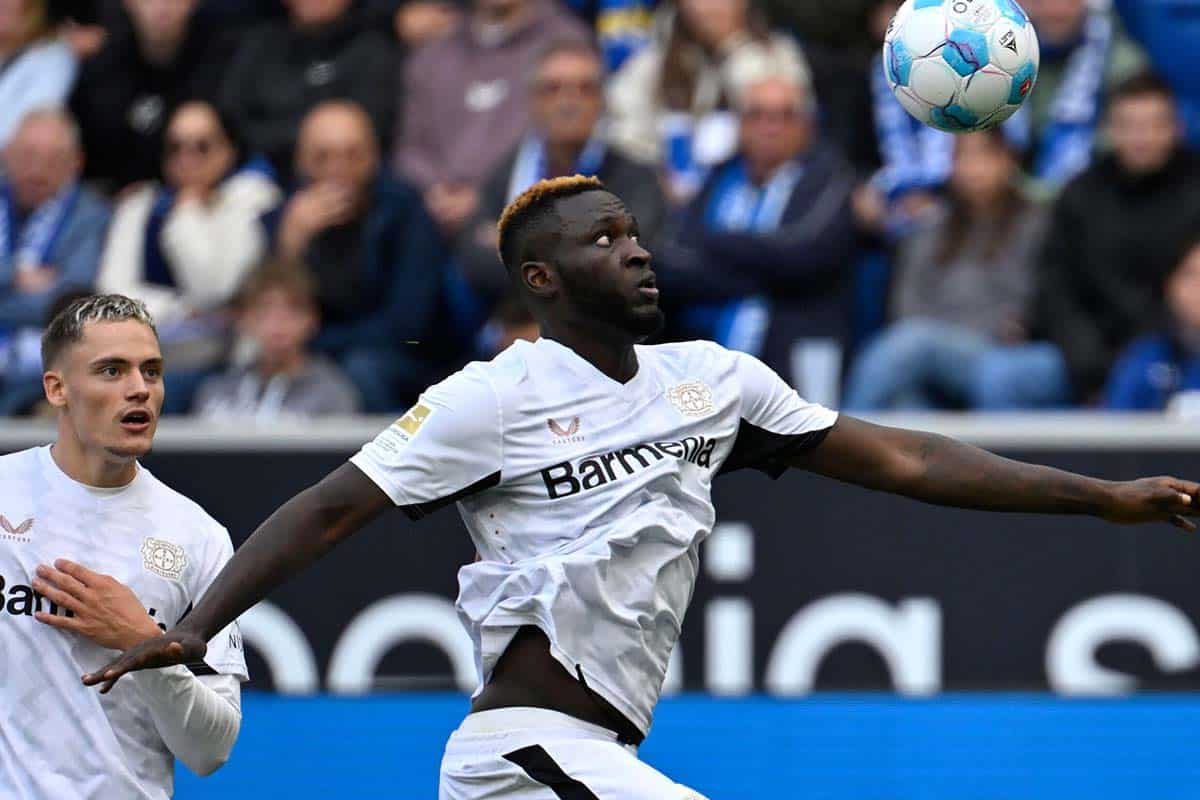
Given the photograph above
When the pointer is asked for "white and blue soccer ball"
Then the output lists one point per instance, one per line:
(961, 65)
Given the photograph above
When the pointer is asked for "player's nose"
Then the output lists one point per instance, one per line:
(637, 256)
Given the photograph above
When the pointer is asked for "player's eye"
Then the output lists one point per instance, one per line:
(110, 371)
(603, 240)
(152, 372)
(637, 238)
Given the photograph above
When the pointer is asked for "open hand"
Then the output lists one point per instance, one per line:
(175, 647)
(1162, 499)
(105, 610)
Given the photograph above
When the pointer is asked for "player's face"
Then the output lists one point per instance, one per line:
(109, 388)
(605, 272)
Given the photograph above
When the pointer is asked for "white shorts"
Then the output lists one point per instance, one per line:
(537, 754)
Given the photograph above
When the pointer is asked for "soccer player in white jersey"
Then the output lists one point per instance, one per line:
(96, 555)
(581, 465)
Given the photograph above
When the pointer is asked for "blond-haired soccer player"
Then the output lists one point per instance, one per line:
(96, 554)
(582, 465)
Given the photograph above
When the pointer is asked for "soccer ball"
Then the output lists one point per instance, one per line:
(961, 65)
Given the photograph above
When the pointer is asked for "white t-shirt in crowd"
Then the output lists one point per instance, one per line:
(58, 738)
(587, 499)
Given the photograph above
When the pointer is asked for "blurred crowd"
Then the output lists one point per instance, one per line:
(305, 193)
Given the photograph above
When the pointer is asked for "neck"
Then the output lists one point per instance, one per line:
(761, 172)
(562, 156)
(91, 468)
(160, 53)
(289, 364)
(608, 351)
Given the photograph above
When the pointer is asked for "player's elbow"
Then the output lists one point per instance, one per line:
(205, 761)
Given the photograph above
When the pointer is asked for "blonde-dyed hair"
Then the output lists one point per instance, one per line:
(534, 205)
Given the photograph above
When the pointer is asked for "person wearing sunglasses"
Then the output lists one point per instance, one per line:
(566, 102)
(760, 259)
(184, 246)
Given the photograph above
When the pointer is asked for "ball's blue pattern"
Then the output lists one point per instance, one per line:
(1022, 82)
(899, 63)
(1012, 11)
(954, 118)
(966, 52)
(927, 4)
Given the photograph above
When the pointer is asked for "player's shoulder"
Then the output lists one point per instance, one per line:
(698, 359)
(485, 379)
(188, 516)
(19, 470)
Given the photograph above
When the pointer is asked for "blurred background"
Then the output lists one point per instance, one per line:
(305, 194)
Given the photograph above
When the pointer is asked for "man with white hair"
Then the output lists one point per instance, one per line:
(96, 554)
(760, 259)
(51, 228)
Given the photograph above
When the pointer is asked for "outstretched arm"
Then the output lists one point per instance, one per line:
(301, 531)
(937, 469)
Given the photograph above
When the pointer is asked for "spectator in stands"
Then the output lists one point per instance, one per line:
(963, 290)
(185, 246)
(671, 102)
(51, 228)
(567, 101)
(126, 93)
(21, 390)
(1083, 55)
(623, 27)
(38, 69)
(421, 22)
(1115, 232)
(277, 317)
(326, 49)
(1157, 369)
(375, 255)
(1169, 32)
(762, 253)
(465, 100)
(915, 158)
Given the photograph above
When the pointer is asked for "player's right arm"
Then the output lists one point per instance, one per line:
(302, 530)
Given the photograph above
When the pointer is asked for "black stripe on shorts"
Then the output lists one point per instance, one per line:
(538, 765)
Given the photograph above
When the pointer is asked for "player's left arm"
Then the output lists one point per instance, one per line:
(198, 717)
(943, 471)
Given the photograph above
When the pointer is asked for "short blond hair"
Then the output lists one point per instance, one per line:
(531, 206)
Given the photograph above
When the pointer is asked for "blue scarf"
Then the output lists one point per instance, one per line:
(915, 155)
(622, 26)
(155, 267)
(30, 245)
(1064, 148)
(531, 166)
(736, 205)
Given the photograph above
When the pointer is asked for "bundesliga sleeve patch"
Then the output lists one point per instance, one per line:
(402, 431)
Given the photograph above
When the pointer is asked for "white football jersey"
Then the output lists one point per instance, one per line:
(587, 499)
(59, 738)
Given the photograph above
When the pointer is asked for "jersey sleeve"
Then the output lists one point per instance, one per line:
(775, 421)
(446, 447)
(225, 655)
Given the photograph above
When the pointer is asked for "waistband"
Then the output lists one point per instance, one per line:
(504, 720)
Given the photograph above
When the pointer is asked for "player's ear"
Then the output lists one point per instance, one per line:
(539, 279)
(55, 388)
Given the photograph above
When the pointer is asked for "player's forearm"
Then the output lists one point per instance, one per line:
(198, 718)
(297, 534)
(948, 472)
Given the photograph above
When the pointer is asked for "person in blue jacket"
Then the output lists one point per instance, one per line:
(1156, 369)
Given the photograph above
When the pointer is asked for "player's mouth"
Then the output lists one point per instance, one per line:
(136, 420)
(647, 288)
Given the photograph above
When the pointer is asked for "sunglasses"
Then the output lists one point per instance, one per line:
(551, 86)
(753, 114)
(200, 146)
